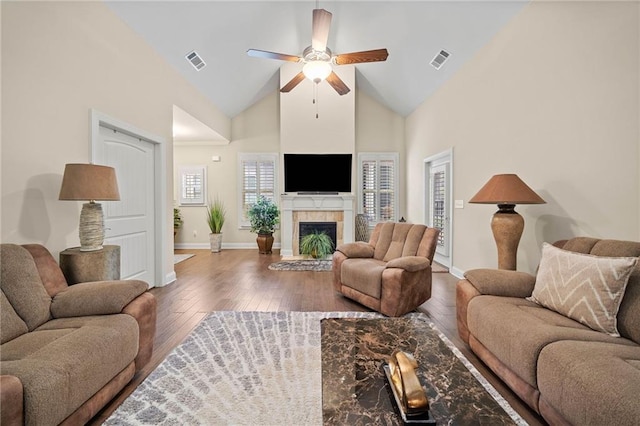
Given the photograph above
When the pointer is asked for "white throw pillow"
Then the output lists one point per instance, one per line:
(583, 287)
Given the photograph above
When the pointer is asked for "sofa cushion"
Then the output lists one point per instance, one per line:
(76, 358)
(583, 287)
(515, 330)
(51, 275)
(398, 240)
(364, 275)
(20, 282)
(629, 313)
(381, 239)
(591, 383)
(11, 325)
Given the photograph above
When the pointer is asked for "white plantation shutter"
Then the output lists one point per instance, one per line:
(258, 178)
(379, 186)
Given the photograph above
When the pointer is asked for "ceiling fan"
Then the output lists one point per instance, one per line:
(318, 58)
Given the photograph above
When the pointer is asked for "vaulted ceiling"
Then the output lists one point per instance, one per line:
(222, 31)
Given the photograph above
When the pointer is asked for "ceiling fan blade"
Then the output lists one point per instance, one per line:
(321, 26)
(360, 57)
(272, 55)
(293, 82)
(337, 83)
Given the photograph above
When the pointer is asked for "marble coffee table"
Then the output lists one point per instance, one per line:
(355, 390)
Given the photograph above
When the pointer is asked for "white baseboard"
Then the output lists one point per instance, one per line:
(227, 246)
(169, 278)
(458, 273)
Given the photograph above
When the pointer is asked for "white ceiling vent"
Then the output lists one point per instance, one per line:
(439, 59)
(195, 60)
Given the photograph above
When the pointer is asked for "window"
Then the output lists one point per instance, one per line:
(193, 185)
(378, 194)
(257, 176)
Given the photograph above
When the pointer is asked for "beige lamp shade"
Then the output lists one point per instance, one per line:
(506, 189)
(89, 182)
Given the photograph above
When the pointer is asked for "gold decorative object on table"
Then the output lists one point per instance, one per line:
(409, 393)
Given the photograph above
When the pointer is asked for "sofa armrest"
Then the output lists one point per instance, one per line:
(96, 298)
(358, 249)
(410, 263)
(499, 282)
(144, 309)
(11, 397)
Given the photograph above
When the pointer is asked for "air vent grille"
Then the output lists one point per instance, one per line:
(439, 59)
(195, 60)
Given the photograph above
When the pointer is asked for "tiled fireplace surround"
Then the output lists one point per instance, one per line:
(314, 208)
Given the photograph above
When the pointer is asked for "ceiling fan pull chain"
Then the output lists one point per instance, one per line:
(315, 97)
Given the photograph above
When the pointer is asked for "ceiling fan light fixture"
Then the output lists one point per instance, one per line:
(317, 71)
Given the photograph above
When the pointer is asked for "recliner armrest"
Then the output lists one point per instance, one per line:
(358, 249)
(409, 263)
(500, 282)
(96, 298)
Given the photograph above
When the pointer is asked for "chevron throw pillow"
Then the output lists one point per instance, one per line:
(586, 288)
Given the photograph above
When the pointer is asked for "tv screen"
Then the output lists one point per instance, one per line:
(317, 173)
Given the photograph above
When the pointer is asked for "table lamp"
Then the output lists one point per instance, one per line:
(90, 182)
(507, 225)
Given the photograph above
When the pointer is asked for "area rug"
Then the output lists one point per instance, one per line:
(241, 368)
(177, 258)
(301, 265)
(324, 265)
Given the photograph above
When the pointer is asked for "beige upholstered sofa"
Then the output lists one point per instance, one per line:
(392, 273)
(66, 350)
(564, 370)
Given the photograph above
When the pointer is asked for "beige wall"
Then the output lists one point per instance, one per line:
(59, 60)
(377, 129)
(554, 97)
(334, 129)
(254, 130)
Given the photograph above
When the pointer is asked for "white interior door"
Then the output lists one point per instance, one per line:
(130, 222)
(438, 203)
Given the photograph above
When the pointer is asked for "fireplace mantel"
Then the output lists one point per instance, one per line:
(314, 203)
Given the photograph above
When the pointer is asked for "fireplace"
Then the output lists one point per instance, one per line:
(329, 228)
(317, 208)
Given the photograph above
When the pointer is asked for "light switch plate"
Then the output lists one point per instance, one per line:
(459, 204)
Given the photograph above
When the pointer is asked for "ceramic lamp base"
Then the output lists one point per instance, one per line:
(507, 226)
(91, 227)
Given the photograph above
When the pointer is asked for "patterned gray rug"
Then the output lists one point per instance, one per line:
(243, 368)
(324, 265)
(301, 265)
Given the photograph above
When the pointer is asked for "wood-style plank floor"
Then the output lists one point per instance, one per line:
(239, 280)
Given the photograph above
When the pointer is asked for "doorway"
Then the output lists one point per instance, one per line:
(136, 222)
(438, 196)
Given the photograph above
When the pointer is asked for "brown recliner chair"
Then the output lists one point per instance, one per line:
(66, 351)
(392, 272)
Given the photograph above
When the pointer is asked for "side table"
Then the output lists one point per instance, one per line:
(84, 266)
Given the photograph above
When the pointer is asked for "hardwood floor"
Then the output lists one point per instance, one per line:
(239, 280)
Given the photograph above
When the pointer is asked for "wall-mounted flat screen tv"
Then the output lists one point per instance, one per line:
(317, 173)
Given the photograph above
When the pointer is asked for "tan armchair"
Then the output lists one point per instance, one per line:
(392, 272)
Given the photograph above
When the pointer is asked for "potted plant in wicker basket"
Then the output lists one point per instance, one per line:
(317, 245)
(215, 219)
(264, 216)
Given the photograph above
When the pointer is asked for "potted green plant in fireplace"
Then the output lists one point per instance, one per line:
(177, 220)
(215, 219)
(317, 245)
(264, 216)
